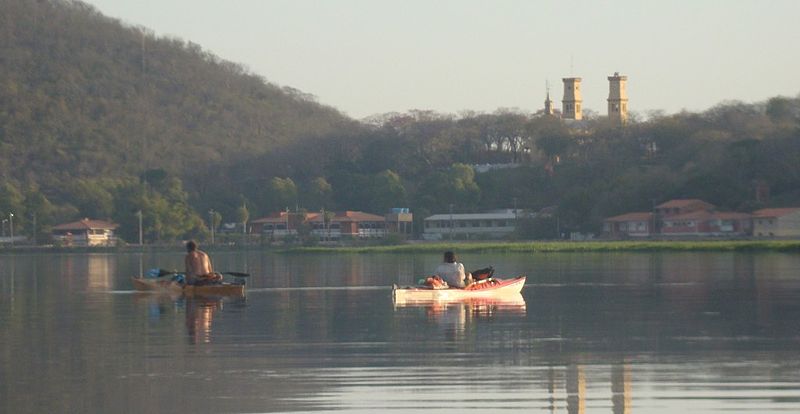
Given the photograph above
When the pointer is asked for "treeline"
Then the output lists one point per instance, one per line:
(584, 170)
(103, 120)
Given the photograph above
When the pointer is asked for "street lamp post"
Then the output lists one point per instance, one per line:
(515, 214)
(139, 214)
(211, 224)
(451, 221)
(11, 226)
(34, 229)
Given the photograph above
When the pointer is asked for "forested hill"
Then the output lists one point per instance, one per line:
(84, 95)
(103, 120)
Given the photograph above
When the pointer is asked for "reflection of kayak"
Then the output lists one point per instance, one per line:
(507, 304)
(156, 285)
(489, 288)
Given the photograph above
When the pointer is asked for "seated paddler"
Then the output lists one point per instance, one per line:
(198, 266)
(452, 272)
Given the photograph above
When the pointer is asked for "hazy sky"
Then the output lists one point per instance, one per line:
(368, 56)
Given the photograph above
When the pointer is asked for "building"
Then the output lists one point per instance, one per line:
(332, 226)
(400, 220)
(85, 232)
(617, 98)
(572, 101)
(776, 222)
(629, 225)
(707, 223)
(492, 225)
(681, 206)
(548, 104)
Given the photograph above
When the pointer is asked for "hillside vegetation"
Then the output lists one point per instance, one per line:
(83, 96)
(101, 119)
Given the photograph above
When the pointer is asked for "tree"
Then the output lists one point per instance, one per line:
(318, 195)
(279, 194)
(242, 215)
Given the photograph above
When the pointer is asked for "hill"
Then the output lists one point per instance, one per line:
(83, 95)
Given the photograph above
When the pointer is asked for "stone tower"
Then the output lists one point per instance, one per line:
(571, 103)
(617, 98)
(548, 104)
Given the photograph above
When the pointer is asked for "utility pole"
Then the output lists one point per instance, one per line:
(211, 224)
(515, 214)
(139, 214)
(451, 221)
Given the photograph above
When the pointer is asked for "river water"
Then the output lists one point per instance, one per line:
(593, 333)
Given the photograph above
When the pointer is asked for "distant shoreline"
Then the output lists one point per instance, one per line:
(568, 246)
(459, 246)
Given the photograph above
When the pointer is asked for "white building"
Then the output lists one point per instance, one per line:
(492, 225)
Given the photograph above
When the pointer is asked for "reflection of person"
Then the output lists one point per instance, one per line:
(199, 316)
(453, 272)
(198, 266)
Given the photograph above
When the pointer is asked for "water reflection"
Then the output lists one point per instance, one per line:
(199, 316)
(198, 311)
(465, 308)
(607, 333)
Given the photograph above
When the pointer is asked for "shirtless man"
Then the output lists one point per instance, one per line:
(198, 266)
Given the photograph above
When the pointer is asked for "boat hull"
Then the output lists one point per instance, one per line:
(501, 289)
(169, 286)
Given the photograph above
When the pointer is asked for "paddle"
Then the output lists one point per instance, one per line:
(163, 272)
(236, 274)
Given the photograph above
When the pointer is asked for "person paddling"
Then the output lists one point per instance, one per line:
(452, 272)
(198, 266)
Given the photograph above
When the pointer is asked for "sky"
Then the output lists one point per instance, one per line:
(368, 57)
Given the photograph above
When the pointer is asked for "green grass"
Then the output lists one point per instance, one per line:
(584, 246)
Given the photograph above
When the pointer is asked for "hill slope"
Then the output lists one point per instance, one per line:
(83, 95)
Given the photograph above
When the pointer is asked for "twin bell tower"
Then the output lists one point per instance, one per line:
(572, 101)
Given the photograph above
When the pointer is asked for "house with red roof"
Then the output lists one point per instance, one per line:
(629, 225)
(85, 232)
(777, 222)
(325, 226)
(706, 223)
(681, 206)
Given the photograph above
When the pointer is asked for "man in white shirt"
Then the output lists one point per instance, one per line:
(452, 272)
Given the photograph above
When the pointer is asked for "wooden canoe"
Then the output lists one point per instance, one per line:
(490, 288)
(170, 286)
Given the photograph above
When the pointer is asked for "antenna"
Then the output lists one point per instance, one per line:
(571, 64)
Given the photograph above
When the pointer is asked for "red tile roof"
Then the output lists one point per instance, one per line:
(340, 216)
(357, 216)
(632, 217)
(680, 203)
(86, 224)
(708, 215)
(775, 212)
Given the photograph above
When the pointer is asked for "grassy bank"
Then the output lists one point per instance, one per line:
(587, 246)
(458, 246)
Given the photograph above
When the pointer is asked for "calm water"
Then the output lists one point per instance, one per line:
(594, 333)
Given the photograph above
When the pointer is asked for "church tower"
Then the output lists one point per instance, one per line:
(617, 98)
(571, 103)
(548, 103)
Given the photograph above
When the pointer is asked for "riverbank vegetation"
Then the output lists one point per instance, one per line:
(553, 247)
